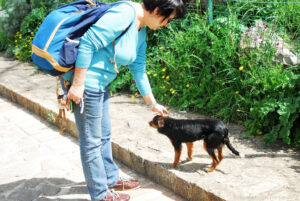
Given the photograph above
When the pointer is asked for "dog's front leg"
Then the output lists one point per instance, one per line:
(190, 149)
(177, 148)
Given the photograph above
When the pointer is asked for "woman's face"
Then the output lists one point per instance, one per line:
(156, 21)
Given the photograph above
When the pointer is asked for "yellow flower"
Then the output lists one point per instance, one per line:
(20, 36)
(223, 83)
(31, 33)
(258, 132)
(241, 68)
(16, 41)
(164, 69)
(173, 92)
(148, 73)
(132, 97)
(167, 77)
(171, 89)
(188, 85)
(161, 48)
(155, 75)
(136, 94)
(163, 87)
(163, 77)
(237, 92)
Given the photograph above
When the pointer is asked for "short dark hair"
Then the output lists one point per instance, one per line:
(166, 7)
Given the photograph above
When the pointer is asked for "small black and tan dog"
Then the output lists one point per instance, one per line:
(212, 131)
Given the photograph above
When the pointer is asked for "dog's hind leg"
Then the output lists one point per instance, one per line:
(211, 153)
(190, 149)
(220, 154)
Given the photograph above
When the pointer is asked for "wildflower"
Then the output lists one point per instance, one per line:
(148, 73)
(16, 41)
(241, 68)
(187, 85)
(31, 33)
(171, 89)
(161, 48)
(277, 43)
(265, 27)
(237, 92)
(132, 97)
(133, 81)
(163, 77)
(274, 27)
(155, 74)
(223, 83)
(164, 69)
(167, 77)
(260, 37)
(163, 87)
(173, 92)
(136, 94)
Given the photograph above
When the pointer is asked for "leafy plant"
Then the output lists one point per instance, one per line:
(22, 40)
(13, 15)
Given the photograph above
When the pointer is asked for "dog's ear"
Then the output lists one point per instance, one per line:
(161, 123)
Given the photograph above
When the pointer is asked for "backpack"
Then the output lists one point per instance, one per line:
(55, 45)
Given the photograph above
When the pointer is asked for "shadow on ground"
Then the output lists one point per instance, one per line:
(42, 189)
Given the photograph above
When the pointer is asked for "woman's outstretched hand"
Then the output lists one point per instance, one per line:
(160, 109)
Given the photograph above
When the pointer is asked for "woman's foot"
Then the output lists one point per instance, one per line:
(126, 184)
(115, 196)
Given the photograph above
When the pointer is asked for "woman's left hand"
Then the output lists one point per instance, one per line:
(160, 109)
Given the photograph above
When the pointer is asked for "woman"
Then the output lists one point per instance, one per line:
(119, 37)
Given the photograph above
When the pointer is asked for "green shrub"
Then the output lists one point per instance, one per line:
(14, 13)
(3, 41)
(22, 40)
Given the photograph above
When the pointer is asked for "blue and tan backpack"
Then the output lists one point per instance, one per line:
(55, 45)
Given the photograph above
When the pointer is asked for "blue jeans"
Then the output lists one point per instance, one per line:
(94, 130)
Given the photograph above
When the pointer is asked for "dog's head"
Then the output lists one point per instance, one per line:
(157, 122)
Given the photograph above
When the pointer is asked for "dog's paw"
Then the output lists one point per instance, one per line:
(207, 170)
(189, 158)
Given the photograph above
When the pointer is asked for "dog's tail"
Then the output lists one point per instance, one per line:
(232, 149)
